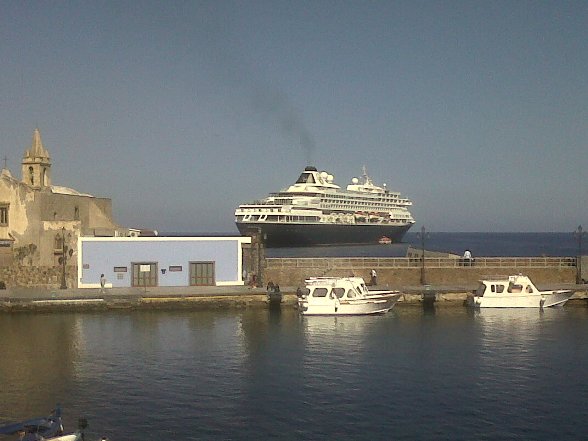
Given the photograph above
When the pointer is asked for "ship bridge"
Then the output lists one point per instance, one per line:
(312, 180)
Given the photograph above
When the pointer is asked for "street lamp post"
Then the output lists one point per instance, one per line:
(423, 235)
(579, 233)
(63, 259)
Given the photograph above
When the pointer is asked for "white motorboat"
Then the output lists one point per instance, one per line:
(344, 296)
(516, 292)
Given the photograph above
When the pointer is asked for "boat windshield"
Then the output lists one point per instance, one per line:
(306, 178)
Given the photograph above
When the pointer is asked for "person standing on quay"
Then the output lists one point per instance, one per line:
(374, 277)
(467, 258)
(102, 284)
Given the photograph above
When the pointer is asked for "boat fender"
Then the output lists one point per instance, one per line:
(542, 301)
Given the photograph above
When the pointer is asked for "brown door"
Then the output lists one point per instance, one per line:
(144, 274)
(202, 274)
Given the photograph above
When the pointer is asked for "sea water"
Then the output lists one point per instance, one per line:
(479, 244)
(256, 374)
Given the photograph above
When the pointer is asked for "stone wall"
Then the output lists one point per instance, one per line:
(398, 277)
(50, 276)
(35, 276)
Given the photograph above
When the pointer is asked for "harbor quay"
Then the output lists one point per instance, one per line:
(448, 281)
(18, 300)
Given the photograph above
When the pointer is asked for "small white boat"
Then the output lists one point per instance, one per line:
(344, 296)
(516, 292)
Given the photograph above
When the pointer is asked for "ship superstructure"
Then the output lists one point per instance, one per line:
(316, 211)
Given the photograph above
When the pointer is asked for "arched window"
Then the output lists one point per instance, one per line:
(4, 214)
(58, 242)
(32, 175)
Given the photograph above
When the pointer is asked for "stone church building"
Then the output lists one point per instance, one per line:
(39, 220)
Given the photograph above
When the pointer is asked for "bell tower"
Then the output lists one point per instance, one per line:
(36, 164)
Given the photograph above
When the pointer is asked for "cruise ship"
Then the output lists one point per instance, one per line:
(316, 211)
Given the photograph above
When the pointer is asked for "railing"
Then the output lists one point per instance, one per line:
(430, 262)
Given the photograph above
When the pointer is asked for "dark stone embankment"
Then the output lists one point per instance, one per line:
(73, 299)
(215, 297)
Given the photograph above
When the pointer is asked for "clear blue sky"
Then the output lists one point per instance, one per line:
(179, 111)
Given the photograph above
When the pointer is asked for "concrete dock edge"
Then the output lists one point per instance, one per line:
(42, 300)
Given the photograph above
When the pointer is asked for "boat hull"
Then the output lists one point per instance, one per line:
(539, 300)
(373, 304)
(300, 235)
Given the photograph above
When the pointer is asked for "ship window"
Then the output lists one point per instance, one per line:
(339, 292)
(320, 292)
(350, 294)
(306, 178)
(529, 289)
(512, 288)
(497, 288)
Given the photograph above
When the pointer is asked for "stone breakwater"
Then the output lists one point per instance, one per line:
(401, 272)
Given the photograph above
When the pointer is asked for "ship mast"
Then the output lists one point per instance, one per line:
(366, 178)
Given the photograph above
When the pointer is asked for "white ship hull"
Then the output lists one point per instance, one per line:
(299, 235)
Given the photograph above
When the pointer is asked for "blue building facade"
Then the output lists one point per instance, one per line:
(160, 261)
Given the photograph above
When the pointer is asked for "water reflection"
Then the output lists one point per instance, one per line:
(176, 365)
(513, 329)
(271, 371)
(508, 341)
(38, 355)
